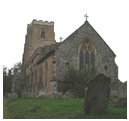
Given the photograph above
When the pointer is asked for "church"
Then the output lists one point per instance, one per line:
(45, 60)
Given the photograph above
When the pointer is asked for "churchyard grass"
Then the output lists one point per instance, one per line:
(40, 108)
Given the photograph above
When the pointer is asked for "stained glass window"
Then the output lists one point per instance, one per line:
(86, 55)
(92, 58)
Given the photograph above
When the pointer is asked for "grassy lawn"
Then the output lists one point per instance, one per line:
(31, 108)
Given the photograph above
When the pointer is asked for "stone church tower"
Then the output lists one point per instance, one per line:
(39, 34)
(45, 60)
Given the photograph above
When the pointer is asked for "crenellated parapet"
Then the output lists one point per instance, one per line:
(40, 22)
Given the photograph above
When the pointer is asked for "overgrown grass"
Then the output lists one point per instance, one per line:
(32, 108)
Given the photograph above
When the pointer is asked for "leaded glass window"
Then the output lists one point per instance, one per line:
(87, 56)
(92, 58)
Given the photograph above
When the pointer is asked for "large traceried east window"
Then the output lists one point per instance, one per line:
(87, 56)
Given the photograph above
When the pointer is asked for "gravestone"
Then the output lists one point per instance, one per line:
(122, 94)
(97, 95)
(122, 90)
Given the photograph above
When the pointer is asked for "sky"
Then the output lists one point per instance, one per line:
(110, 18)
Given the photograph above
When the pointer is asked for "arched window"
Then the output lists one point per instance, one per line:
(46, 74)
(87, 56)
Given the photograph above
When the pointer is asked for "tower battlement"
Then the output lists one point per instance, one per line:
(39, 34)
(40, 22)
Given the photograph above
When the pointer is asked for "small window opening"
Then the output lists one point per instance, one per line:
(43, 35)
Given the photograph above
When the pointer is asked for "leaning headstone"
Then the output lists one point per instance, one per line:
(97, 95)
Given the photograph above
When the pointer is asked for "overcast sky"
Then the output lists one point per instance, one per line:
(110, 18)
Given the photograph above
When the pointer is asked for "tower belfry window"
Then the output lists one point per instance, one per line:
(43, 35)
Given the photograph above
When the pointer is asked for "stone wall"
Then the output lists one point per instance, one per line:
(37, 48)
(67, 52)
(41, 76)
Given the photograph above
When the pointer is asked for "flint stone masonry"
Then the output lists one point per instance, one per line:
(68, 52)
(97, 95)
(45, 60)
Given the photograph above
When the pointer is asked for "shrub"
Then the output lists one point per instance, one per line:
(76, 80)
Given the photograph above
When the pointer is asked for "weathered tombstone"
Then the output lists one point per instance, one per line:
(122, 94)
(113, 89)
(97, 95)
(122, 90)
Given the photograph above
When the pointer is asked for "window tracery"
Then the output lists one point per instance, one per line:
(87, 55)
